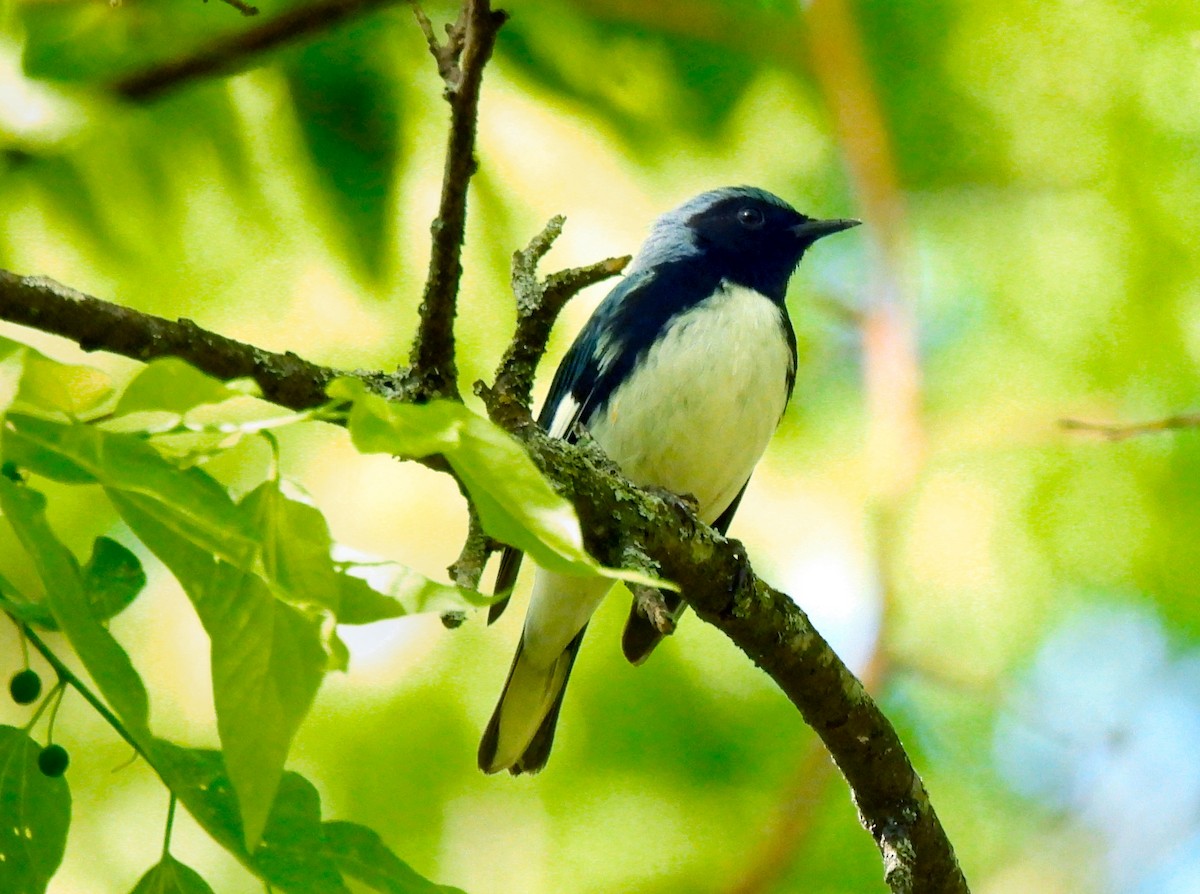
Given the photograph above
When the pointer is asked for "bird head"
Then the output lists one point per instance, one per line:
(745, 235)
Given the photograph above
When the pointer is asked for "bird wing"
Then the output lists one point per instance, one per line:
(581, 383)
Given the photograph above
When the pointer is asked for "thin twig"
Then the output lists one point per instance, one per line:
(1119, 431)
(68, 676)
(232, 53)
(241, 6)
(539, 302)
(433, 371)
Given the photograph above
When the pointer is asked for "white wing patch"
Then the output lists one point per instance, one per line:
(564, 417)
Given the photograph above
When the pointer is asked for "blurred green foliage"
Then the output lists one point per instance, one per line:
(1046, 157)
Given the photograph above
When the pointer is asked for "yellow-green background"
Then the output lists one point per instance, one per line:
(1043, 229)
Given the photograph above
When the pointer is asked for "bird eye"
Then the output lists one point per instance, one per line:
(750, 217)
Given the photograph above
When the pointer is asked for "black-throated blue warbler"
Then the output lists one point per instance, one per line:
(681, 375)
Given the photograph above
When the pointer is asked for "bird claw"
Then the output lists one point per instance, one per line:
(653, 608)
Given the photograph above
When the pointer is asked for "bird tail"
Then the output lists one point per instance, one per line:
(521, 731)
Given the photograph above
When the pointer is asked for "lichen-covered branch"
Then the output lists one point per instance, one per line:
(713, 571)
(539, 302)
(469, 42)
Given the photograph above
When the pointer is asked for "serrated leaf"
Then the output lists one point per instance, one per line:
(35, 812)
(170, 876)
(112, 578)
(515, 502)
(268, 659)
(170, 384)
(292, 854)
(360, 853)
(106, 661)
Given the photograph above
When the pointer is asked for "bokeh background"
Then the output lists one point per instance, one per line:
(1023, 599)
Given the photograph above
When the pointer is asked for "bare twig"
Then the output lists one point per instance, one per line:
(539, 302)
(433, 371)
(232, 53)
(1119, 431)
(241, 6)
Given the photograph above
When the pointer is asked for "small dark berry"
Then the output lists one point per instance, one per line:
(53, 760)
(25, 686)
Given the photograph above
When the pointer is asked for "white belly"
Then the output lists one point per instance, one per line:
(697, 413)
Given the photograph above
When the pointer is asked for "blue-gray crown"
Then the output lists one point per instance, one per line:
(672, 239)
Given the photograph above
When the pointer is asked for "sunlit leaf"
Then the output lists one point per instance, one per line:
(371, 593)
(516, 504)
(189, 501)
(12, 365)
(169, 383)
(50, 387)
(35, 811)
(268, 659)
(295, 546)
(171, 877)
(66, 597)
(360, 853)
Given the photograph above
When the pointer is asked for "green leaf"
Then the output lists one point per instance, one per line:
(189, 501)
(292, 856)
(360, 853)
(35, 812)
(170, 384)
(295, 547)
(343, 86)
(391, 590)
(516, 504)
(172, 877)
(50, 387)
(113, 577)
(16, 603)
(268, 659)
(106, 661)
(12, 366)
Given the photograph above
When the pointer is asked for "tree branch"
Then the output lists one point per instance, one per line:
(44, 304)
(460, 60)
(1119, 431)
(763, 622)
(539, 302)
(232, 53)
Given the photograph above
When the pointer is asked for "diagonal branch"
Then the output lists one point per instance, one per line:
(763, 622)
(232, 53)
(460, 60)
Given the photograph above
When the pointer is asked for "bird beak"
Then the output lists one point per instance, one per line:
(812, 230)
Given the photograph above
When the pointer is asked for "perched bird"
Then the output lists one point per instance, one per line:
(681, 376)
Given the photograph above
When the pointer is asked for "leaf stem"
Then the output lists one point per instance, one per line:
(66, 676)
(166, 851)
